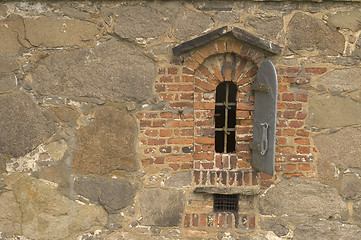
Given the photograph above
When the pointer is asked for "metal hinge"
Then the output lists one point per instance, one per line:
(260, 87)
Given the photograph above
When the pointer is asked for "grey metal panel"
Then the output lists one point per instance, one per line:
(264, 122)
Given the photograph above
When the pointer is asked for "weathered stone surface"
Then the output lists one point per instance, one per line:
(11, 31)
(46, 214)
(357, 51)
(50, 173)
(3, 9)
(323, 229)
(63, 32)
(341, 148)
(279, 227)
(307, 33)
(343, 80)
(351, 186)
(10, 217)
(266, 27)
(8, 65)
(7, 82)
(114, 71)
(160, 207)
(140, 22)
(179, 179)
(108, 144)
(356, 212)
(349, 20)
(56, 149)
(22, 125)
(66, 114)
(112, 193)
(328, 111)
(301, 197)
(190, 24)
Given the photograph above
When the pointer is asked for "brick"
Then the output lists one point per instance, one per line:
(203, 156)
(186, 96)
(193, 65)
(174, 166)
(155, 141)
(149, 150)
(217, 73)
(198, 57)
(288, 150)
(187, 79)
(288, 97)
(282, 88)
(221, 46)
(231, 178)
(187, 132)
(204, 70)
(207, 123)
(288, 132)
(179, 158)
(205, 140)
(299, 158)
(165, 133)
(240, 68)
(212, 177)
(212, 80)
(289, 79)
(303, 150)
(204, 106)
(180, 123)
(244, 51)
(289, 114)
(315, 71)
(288, 70)
(296, 124)
(228, 75)
(156, 160)
(166, 79)
(158, 123)
(166, 97)
(203, 220)
(294, 106)
(254, 179)
(180, 88)
(212, 49)
(302, 141)
(195, 220)
(159, 87)
(252, 222)
(301, 116)
(165, 149)
(282, 140)
(233, 162)
(229, 44)
(252, 71)
(187, 220)
(291, 175)
(204, 51)
(207, 165)
(301, 97)
(243, 106)
(246, 178)
(151, 133)
(172, 70)
(145, 123)
(218, 161)
(239, 178)
(289, 167)
(265, 176)
(304, 167)
(204, 85)
(303, 133)
(180, 141)
(161, 71)
(236, 47)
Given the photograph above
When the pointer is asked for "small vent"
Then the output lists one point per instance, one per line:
(225, 202)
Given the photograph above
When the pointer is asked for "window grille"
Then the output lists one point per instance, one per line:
(225, 203)
(225, 117)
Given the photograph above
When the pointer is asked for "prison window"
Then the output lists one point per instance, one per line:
(225, 117)
(225, 202)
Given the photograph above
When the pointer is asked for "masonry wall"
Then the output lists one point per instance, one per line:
(106, 134)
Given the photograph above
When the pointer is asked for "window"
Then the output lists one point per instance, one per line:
(225, 202)
(225, 117)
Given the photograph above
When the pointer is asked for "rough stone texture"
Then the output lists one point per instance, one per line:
(7, 82)
(112, 193)
(50, 173)
(339, 148)
(356, 95)
(357, 51)
(279, 227)
(160, 207)
(108, 144)
(22, 125)
(97, 73)
(56, 149)
(343, 80)
(3, 10)
(48, 215)
(10, 217)
(8, 64)
(266, 27)
(328, 111)
(66, 114)
(356, 212)
(11, 32)
(349, 20)
(179, 179)
(308, 33)
(323, 229)
(63, 32)
(189, 24)
(140, 22)
(301, 197)
(351, 186)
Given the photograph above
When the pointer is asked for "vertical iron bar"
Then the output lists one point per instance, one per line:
(226, 119)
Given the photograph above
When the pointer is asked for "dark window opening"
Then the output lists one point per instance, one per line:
(225, 117)
(225, 203)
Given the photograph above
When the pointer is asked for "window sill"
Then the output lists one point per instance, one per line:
(219, 190)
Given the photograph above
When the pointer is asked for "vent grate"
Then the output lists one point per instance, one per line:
(225, 202)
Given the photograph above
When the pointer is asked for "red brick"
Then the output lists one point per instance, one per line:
(240, 68)
(236, 47)
(207, 165)
(301, 97)
(252, 222)
(228, 75)
(282, 88)
(221, 46)
(180, 141)
(282, 140)
(294, 106)
(204, 51)
(246, 178)
(289, 114)
(174, 166)
(165, 149)
(181, 105)
(316, 71)
(158, 123)
(191, 64)
(149, 150)
(180, 88)
(203, 156)
(299, 158)
(229, 44)
(204, 70)
(151, 133)
(288, 70)
(289, 167)
(303, 150)
(212, 49)
(288, 97)
(156, 160)
(187, 220)
(303, 133)
(243, 106)
(187, 79)
(301, 116)
(203, 220)
(165, 133)
(252, 72)
(204, 105)
(291, 175)
(244, 51)
(288, 79)
(218, 74)
(155, 141)
(166, 97)
(288, 132)
(302, 141)
(204, 85)
(304, 167)
(288, 150)
(205, 140)
(296, 124)
(198, 58)
(254, 179)
(166, 79)
(172, 70)
(145, 123)
(195, 220)
(180, 123)
(179, 159)
(265, 176)
(187, 132)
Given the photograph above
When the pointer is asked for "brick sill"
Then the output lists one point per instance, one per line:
(234, 190)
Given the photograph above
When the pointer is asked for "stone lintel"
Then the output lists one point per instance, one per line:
(237, 33)
(219, 190)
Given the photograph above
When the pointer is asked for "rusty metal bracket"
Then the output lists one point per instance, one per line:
(260, 87)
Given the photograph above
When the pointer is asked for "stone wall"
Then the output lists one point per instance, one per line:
(106, 134)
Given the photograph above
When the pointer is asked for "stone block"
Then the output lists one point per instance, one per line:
(8, 65)
(11, 31)
(351, 186)
(185, 27)
(22, 125)
(112, 193)
(66, 114)
(7, 82)
(266, 27)
(301, 198)
(160, 207)
(341, 148)
(46, 214)
(63, 32)
(278, 226)
(345, 20)
(356, 212)
(323, 229)
(342, 80)
(329, 111)
(308, 33)
(179, 179)
(112, 71)
(10, 217)
(106, 145)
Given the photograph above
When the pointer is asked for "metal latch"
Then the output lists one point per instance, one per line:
(263, 147)
(260, 87)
